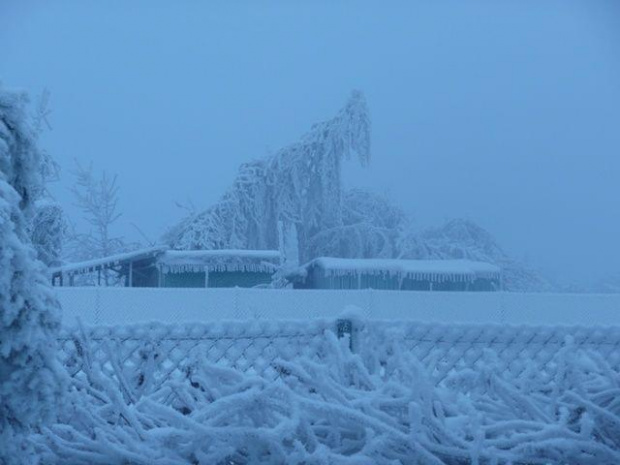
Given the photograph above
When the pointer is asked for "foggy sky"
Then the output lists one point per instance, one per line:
(506, 113)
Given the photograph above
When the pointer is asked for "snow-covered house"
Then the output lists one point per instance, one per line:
(161, 267)
(395, 274)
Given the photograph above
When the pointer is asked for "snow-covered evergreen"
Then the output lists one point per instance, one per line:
(29, 314)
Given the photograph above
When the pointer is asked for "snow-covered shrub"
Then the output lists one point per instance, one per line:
(381, 406)
(29, 315)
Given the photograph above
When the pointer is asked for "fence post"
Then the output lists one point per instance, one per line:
(236, 303)
(97, 306)
(345, 327)
(369, 303)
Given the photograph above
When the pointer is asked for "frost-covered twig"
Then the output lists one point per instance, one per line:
(342, 407)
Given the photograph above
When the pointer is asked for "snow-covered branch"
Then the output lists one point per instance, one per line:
(381, 406)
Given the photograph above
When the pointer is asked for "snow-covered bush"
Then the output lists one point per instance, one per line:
(29, 315)
(381, 406)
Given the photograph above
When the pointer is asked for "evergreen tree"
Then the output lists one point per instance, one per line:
(29, 314)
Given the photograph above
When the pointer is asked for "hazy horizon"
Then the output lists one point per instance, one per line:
(506, 114)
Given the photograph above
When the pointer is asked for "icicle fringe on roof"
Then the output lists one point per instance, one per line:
(223, 260)
(418, 270)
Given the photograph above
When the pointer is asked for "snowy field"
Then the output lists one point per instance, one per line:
(118, 306)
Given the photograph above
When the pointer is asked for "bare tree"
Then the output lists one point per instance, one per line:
(97, 197)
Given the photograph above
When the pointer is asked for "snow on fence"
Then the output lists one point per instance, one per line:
(114, 306)
(150, 354)
(153, 353)
(383, 392)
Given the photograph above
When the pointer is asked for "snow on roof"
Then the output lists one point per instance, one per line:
(178, 261)
(184, 260)
(433, 270)
(92, 265)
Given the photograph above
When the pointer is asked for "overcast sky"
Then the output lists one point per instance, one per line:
(507, 113)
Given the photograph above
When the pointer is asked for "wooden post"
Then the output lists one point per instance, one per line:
(130, 273)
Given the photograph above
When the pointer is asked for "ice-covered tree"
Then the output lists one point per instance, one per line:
(300, 185)
(29, 314)
(464, 239)
(299, 190)
(48, 225)
(370, 228)
(48, 231)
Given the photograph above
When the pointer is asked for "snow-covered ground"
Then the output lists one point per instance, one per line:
(117, 306)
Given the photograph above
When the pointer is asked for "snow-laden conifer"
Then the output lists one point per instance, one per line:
(29, 315)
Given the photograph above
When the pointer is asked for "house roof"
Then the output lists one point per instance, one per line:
(177, 261)
(433, 270)
(182, 260)
(111, 260)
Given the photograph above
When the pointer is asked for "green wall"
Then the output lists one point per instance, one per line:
(316, 279)
(216, 279)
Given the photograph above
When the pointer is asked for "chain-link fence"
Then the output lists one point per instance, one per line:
(142, 357)
(509, 350)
